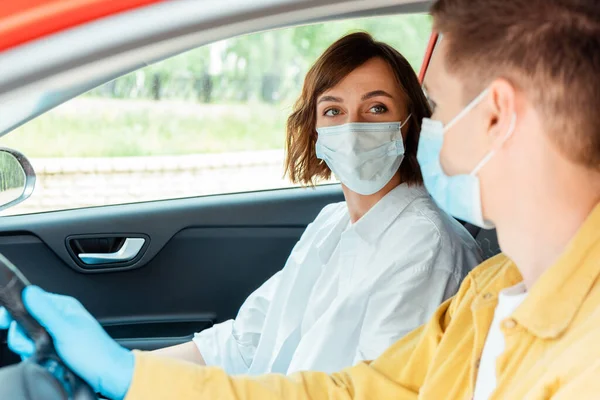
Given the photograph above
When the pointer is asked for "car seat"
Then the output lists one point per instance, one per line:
(487, 240)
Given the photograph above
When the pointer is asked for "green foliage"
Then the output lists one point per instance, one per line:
(12, 175)
(120, 128)
(266, 66)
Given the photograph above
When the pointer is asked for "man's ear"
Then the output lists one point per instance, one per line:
(502, 112)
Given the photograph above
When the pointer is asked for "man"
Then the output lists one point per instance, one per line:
(515, 87)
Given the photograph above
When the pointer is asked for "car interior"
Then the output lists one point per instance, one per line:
(194, 260)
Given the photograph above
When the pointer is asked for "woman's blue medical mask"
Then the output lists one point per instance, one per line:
(459, 195)
(364, 156)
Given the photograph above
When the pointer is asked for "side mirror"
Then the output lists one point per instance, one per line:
(17, 178)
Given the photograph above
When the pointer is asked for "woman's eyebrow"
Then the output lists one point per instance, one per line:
(330, 98)
(376, 93)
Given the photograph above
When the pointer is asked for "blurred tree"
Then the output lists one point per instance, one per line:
(12, 175)
(266, 66)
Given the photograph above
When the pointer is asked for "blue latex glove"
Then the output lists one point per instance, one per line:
(79, 339)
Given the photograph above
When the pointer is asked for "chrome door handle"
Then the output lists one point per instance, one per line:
(130, 249)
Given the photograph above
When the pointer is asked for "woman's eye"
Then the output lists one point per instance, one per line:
(332, 112)
(378, 109)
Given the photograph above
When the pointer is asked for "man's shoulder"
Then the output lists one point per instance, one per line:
(493, 275)
(499, 269)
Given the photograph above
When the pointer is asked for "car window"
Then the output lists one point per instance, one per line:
(208, 121)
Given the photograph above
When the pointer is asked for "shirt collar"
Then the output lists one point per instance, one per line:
(328, 235)
(560, 292)
(377, 220)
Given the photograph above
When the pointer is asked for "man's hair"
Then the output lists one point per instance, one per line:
(339, 60)
(549, 49)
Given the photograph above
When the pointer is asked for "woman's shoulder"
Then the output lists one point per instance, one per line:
(422, 210)
(425, 212)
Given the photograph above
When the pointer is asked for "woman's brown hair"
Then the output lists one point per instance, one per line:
(340, 59)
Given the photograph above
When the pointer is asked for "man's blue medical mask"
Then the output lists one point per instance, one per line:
(364, 156)
(459, 195)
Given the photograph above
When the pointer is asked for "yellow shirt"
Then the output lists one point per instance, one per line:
(552, 346)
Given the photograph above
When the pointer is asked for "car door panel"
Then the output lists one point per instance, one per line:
(157, 331)
(205, 256)
(277, 208)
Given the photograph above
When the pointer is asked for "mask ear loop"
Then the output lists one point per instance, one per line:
(488, 157)
(466, 110)
(405, 121)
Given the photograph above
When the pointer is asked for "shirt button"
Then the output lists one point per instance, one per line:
(487, 296)
(510, 323)
(477, 363)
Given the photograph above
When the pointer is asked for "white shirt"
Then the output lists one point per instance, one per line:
(508, 301)
(347, 291)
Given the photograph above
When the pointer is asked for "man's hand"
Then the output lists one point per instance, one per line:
(79, 340)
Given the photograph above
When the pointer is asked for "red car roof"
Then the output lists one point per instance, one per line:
(22, 21)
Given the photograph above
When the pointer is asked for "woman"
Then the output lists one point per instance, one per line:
(367, 270)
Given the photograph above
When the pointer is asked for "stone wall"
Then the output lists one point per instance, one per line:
(66, 183)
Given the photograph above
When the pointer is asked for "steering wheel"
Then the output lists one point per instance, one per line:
(44, 375)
